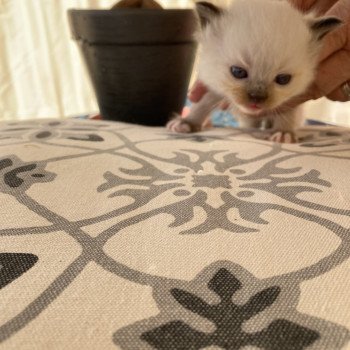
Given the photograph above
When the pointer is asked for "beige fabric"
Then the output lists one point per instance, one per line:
(117, 236)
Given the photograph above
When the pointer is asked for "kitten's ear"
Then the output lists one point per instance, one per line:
(323, 25)
(207, 12)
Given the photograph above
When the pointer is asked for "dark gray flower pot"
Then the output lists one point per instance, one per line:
(139, 60)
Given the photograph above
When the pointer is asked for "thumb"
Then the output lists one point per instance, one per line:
(337, 39)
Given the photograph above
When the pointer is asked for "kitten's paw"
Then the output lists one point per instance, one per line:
(283, 137)
(181, 125)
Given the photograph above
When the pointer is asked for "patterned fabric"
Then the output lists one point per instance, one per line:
(117, 236)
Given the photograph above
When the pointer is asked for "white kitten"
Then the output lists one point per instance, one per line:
(257, 54)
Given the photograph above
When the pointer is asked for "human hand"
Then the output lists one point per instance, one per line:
(198, 90)
(334, 61)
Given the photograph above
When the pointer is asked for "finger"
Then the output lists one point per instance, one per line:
(339, 95)
(337, 39)
(296, 101)
(333, 42)
(340, 9)
(331, 73)
(197, 91)
(303, 5)
(224, 105)
(320, 7)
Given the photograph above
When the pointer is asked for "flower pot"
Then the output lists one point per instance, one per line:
(140, 60)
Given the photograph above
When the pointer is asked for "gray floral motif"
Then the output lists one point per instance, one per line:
(224, 305)
(198, 138)
(146, 176)
(228, 319)
(46, 131)
(325, 138)
(184, 307)
(13, 265)
(217, 186)
(17, 176)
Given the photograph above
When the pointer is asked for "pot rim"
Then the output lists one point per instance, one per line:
(129, 11)
(134, 26)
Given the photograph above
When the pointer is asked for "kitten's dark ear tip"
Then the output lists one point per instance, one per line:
(207, 5)
(327, 22)
(207, 12)
(322, 26)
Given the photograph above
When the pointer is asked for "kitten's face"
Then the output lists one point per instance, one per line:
(258, 54)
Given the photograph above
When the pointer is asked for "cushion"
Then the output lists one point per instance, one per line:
(119, 236)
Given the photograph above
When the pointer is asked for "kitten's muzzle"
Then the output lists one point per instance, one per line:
(257, 92)
(257, 96)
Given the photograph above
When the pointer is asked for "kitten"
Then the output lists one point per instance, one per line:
(257, 54)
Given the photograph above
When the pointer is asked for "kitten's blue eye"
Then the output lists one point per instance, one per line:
(239, 73)
(283, 79)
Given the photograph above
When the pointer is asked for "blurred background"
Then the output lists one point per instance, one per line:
(42, 74)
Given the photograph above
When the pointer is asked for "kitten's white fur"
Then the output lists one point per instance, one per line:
(266, 38)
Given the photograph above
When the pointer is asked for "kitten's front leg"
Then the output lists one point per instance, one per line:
(284, 126)
(199, 113)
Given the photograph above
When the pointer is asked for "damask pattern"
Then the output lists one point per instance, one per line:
(212, 240)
